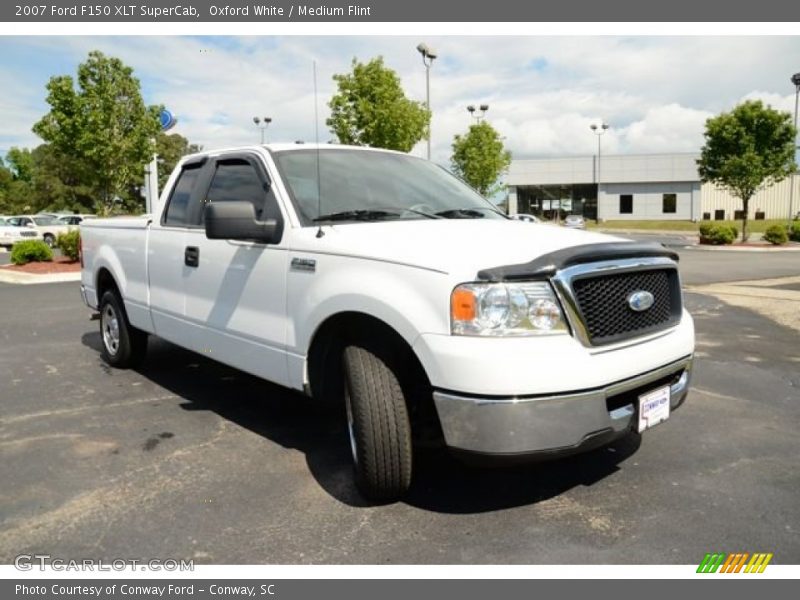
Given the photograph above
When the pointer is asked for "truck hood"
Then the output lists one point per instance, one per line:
(447, 245)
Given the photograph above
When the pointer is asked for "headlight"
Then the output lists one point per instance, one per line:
(498, 309)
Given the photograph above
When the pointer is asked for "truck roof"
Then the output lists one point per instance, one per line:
(290, 146)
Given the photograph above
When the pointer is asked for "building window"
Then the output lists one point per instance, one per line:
(719, 215)
(669, 203)
(626, 204)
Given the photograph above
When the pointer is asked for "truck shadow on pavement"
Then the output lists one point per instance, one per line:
(290, 419)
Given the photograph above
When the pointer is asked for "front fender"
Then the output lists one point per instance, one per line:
(410, 300)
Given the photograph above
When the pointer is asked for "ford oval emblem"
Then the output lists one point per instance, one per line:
(641, 300)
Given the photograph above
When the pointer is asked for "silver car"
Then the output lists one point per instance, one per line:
(526, 218)
(575, 222)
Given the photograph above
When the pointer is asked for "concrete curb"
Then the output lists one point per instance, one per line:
(709, 248)
(16, 277)
(689, 235)
(693, 241)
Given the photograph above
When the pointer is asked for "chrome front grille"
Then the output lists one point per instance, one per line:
(596, 297)
(604, 307)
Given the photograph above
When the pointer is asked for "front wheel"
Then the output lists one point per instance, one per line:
(378, 425)
(124, 346)
(49, 240)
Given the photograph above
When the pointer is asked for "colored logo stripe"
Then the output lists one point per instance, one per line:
(711, 562)
(759, 561)
(734, 563)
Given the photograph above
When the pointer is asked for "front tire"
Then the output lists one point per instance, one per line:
(124, 346)
(49, 240)
(378, 425)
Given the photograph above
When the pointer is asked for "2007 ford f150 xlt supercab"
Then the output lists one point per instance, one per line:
(380, 280)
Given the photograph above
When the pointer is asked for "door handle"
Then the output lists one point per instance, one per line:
(191, 256)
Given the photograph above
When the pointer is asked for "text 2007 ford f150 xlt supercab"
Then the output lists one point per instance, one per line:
(379, 279)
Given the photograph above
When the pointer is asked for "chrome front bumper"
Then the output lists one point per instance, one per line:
(554, 424)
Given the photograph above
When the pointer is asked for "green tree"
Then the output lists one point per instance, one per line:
(21, 162)
(480, 158)
(59, 182)
(6, 179)
(170, 149)
(6, 176)
(747, 149)
(371, 109)
(104, 124)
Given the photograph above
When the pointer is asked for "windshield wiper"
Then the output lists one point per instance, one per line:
(374, 214)
(357, 215)
(461, 213)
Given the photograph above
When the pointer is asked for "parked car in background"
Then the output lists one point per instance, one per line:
(74, 219)
(526, 218)
(575, 222)
(49, 227)
(10, 234)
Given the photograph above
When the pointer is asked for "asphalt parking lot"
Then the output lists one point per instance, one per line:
(185, 458)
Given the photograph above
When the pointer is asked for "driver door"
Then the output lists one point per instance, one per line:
(236, 290)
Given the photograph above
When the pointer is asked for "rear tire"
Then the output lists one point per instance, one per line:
(378, 424)
(124, 346)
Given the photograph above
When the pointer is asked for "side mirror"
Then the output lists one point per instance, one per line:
(237, 221)
(31, 225)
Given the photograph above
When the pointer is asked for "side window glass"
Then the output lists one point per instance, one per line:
(236, 180)
(178, 205)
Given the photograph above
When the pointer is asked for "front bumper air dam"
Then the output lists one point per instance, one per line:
(551, 425)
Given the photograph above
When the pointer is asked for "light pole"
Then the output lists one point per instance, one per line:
(796, 81)
(428, 56)
(262, 124)
(479, 116)
(599, 130)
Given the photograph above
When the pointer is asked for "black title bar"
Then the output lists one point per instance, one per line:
(199, 11)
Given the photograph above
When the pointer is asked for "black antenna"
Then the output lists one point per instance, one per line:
(320, 233)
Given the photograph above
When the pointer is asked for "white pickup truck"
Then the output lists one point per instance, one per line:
(379, 280)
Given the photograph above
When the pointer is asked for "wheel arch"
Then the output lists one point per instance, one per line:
(104, 281)
(324, 370)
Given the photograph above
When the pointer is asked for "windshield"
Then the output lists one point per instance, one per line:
(367, 186)
(45, 221)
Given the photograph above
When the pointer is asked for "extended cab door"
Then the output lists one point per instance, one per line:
(166, 241)
(235, 290)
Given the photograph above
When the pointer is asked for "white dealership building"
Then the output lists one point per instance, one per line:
(633, 187)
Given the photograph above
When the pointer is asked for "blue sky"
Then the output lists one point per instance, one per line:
(543, 92)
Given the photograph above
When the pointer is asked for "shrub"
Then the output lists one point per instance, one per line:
(68, 243)
(30, 251)
(776, 234)
(717, 233)
(794, 232)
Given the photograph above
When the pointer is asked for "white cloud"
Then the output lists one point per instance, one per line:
(655, 92)
(669, 128)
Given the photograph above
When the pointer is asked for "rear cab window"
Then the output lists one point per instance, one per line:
(178, 204)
